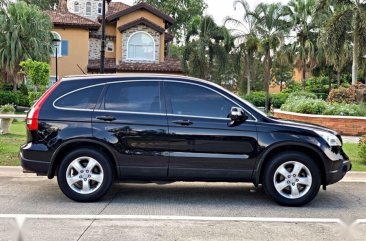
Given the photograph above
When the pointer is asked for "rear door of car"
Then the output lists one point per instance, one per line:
(132, 118)
(202, 143)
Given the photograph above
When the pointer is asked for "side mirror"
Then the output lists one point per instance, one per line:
(237, 115)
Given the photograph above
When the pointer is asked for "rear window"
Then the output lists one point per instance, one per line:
(80, 99)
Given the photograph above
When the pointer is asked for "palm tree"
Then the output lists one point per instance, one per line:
(271, 26)
(25, 34)
(349, 18)
(207, 48)
(300, 14)
(244, 33)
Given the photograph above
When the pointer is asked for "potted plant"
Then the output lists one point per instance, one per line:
(6, 122)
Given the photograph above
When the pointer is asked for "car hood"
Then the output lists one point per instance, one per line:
(302, 125)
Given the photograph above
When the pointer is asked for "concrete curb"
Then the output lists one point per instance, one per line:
(18, 171)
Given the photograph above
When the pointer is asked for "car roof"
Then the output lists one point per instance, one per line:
(131, 75)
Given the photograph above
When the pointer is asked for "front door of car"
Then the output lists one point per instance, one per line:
(132, 118)
(202, 143)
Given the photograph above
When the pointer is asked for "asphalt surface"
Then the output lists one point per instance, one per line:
(177, 211)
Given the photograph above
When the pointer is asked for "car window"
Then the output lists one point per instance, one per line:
(188, 99)
(81, 99)
(140, 96)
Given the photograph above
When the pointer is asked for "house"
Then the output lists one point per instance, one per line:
(137, 38)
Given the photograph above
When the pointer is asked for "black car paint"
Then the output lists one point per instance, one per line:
(160, 147)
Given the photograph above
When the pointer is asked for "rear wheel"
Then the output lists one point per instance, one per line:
(85, 175)
(292, 179)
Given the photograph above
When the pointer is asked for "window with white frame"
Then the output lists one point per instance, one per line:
(110, 46)
(100, 8)
(76, 7)
(141, 46)
(88, 8)
(56, 44)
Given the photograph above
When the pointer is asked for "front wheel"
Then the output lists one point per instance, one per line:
(85, 175)
(292, 179)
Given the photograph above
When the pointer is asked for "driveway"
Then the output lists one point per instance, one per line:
(177, 211)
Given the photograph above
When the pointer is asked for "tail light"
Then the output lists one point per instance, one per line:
(32, 117)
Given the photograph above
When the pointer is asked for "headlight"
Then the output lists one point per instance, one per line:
(331, 139)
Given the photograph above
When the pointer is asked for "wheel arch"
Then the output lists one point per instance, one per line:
(71, 145)
(309, 150)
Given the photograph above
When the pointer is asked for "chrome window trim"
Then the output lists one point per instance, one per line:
(184, 81)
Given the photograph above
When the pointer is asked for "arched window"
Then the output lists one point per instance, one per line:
(88, 8)
(76, 7)
(56, 44)
(141, 46)
(100, 8)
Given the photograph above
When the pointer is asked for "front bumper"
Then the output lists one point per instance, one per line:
(339, 170)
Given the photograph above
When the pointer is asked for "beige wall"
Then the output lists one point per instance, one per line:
(77, 54)
(139, 14)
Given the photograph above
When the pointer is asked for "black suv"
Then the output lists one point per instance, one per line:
(89, 131)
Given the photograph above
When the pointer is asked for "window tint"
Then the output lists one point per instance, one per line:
(134, 97)
(81, 99)
(187, 99)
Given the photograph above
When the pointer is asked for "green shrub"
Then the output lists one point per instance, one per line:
(345, 109)
(362, 151)
(8, 108)
(13, 97)
(9, 97)
(279, 99)
(319, 86)
(33, 96)
(303, 102)
(257, 98)
(302, 94)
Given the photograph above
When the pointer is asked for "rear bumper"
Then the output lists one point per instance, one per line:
(34, 158)
(339, 170)
(38, 167)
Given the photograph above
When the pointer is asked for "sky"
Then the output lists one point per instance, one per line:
(219, 9)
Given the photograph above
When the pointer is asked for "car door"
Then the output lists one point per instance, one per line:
(132, 118)
(202, 144)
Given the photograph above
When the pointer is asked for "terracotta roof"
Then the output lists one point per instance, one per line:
(139, 6)
(115, 7)
(169, 65)
(109, 65)
(142, 21)
(64, 18)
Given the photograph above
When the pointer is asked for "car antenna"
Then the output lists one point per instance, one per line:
(81, 69)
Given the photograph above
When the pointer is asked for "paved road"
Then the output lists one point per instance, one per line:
(212, 211)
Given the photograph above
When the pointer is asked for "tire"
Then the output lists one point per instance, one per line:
(88, 181)
(281, 184)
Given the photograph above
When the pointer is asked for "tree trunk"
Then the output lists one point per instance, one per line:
(248, 74)
(355, 58)
(267, 76)
(303, 74)
(329, 79)
(339, 78)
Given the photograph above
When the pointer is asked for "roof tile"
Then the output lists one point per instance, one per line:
(65, 18)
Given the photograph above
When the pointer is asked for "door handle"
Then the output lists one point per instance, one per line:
(183, 122)
(106, 118)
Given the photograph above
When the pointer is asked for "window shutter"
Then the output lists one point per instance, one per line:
(64, 48)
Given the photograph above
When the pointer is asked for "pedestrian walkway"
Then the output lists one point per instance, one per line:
(351, 139)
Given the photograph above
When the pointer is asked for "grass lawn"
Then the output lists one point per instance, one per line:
(9, 148)
(352, 152)
(10, 143)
